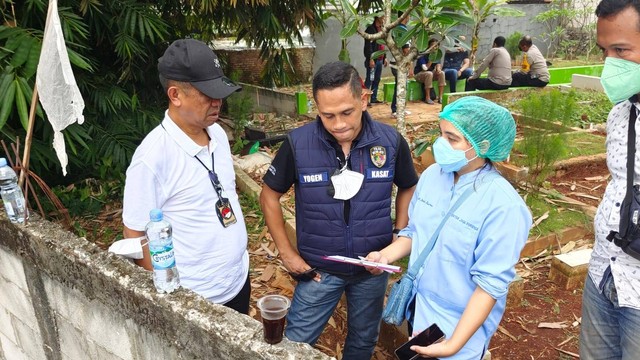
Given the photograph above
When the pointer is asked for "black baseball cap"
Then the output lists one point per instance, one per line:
(192, 61)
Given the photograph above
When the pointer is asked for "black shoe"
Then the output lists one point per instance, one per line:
(376, 102)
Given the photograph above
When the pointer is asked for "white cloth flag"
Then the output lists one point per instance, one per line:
(57, 88)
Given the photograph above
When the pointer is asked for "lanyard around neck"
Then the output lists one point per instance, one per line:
(213, 177)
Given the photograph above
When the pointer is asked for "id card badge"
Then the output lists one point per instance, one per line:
(225, 212)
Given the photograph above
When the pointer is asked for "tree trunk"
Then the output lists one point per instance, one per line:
(401, 97)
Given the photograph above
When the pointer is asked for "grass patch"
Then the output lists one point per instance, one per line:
(578, 144)
(546, 126)
(559, 218)
(592, 106)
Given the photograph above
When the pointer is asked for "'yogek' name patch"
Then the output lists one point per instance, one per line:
(379, 174)
(313, 178)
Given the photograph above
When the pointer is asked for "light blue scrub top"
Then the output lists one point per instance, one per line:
(478, 246)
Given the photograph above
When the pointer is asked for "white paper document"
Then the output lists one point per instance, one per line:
(363, 262)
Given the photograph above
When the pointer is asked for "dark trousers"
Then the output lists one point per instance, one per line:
(240, 302)
(395, 90)
(377, 72)
(521, 79)
(483, 84)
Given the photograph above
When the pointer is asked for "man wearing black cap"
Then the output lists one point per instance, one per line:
(184, 167)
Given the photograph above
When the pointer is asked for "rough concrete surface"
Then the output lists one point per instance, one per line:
(82, 301)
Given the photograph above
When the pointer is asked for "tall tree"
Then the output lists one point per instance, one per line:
(114, 46)
(427, 19)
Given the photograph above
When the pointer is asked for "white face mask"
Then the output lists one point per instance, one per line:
(129, 248)
(346, 184)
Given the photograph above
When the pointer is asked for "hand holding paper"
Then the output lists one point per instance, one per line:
(362, 262)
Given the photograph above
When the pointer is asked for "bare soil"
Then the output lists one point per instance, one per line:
(519, 335)
(583, 182)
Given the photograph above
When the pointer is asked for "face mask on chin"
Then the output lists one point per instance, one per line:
(620, 79)
(449, 159)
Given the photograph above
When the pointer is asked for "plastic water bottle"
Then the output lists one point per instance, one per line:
(165, 273)
(372, 74)
(12, 195)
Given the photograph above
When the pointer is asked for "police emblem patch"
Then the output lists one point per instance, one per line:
(378, 155)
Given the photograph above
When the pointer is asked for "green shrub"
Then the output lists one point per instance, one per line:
(240, 110)
(540, 146)
(512, 44)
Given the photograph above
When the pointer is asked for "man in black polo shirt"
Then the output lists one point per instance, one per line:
(343, 167)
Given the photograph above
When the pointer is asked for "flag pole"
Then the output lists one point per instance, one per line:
(29, 137)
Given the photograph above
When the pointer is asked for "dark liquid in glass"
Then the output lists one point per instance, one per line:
(273, 330)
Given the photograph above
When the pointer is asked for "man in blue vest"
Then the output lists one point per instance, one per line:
(343, 167)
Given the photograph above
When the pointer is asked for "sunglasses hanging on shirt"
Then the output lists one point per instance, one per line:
(223, 206)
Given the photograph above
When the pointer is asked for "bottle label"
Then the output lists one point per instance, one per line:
(163, 259)
(9, 208)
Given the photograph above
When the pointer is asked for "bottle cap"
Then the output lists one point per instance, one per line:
(3, 162)
(155, 214)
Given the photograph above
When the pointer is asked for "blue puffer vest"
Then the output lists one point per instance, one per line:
(320, 226)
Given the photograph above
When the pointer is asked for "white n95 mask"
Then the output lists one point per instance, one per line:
(346, 184)
(129, 248)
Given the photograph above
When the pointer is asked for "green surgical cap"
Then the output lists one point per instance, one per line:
(489, 127)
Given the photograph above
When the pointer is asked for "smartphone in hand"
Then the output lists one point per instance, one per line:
(305, 276)
(431, 335)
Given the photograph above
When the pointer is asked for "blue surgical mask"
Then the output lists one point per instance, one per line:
(447, 157)
(620, 79)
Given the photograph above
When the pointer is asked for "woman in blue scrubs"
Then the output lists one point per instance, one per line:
(463, 283)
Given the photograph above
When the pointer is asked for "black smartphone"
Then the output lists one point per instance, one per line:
(305, 276)
(429, 336)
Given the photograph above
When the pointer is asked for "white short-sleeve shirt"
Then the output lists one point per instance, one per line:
(212, 260)
(625, 269)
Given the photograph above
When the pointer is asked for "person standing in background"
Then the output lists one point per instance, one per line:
(398, 32)
(374, 66)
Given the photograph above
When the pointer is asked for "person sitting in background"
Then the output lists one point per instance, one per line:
(463, 283)
(534, 71)
(499, 63)
(456, 65)
(426, 69)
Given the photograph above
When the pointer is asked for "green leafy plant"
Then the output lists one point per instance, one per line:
(240, 109)
(422, 144)
(556, 21)
(512, 43)
(541, 147)
(479, 11)
(113, 47)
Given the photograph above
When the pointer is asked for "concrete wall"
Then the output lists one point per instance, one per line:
(62, 297)
(268, 100)
(505, 26)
